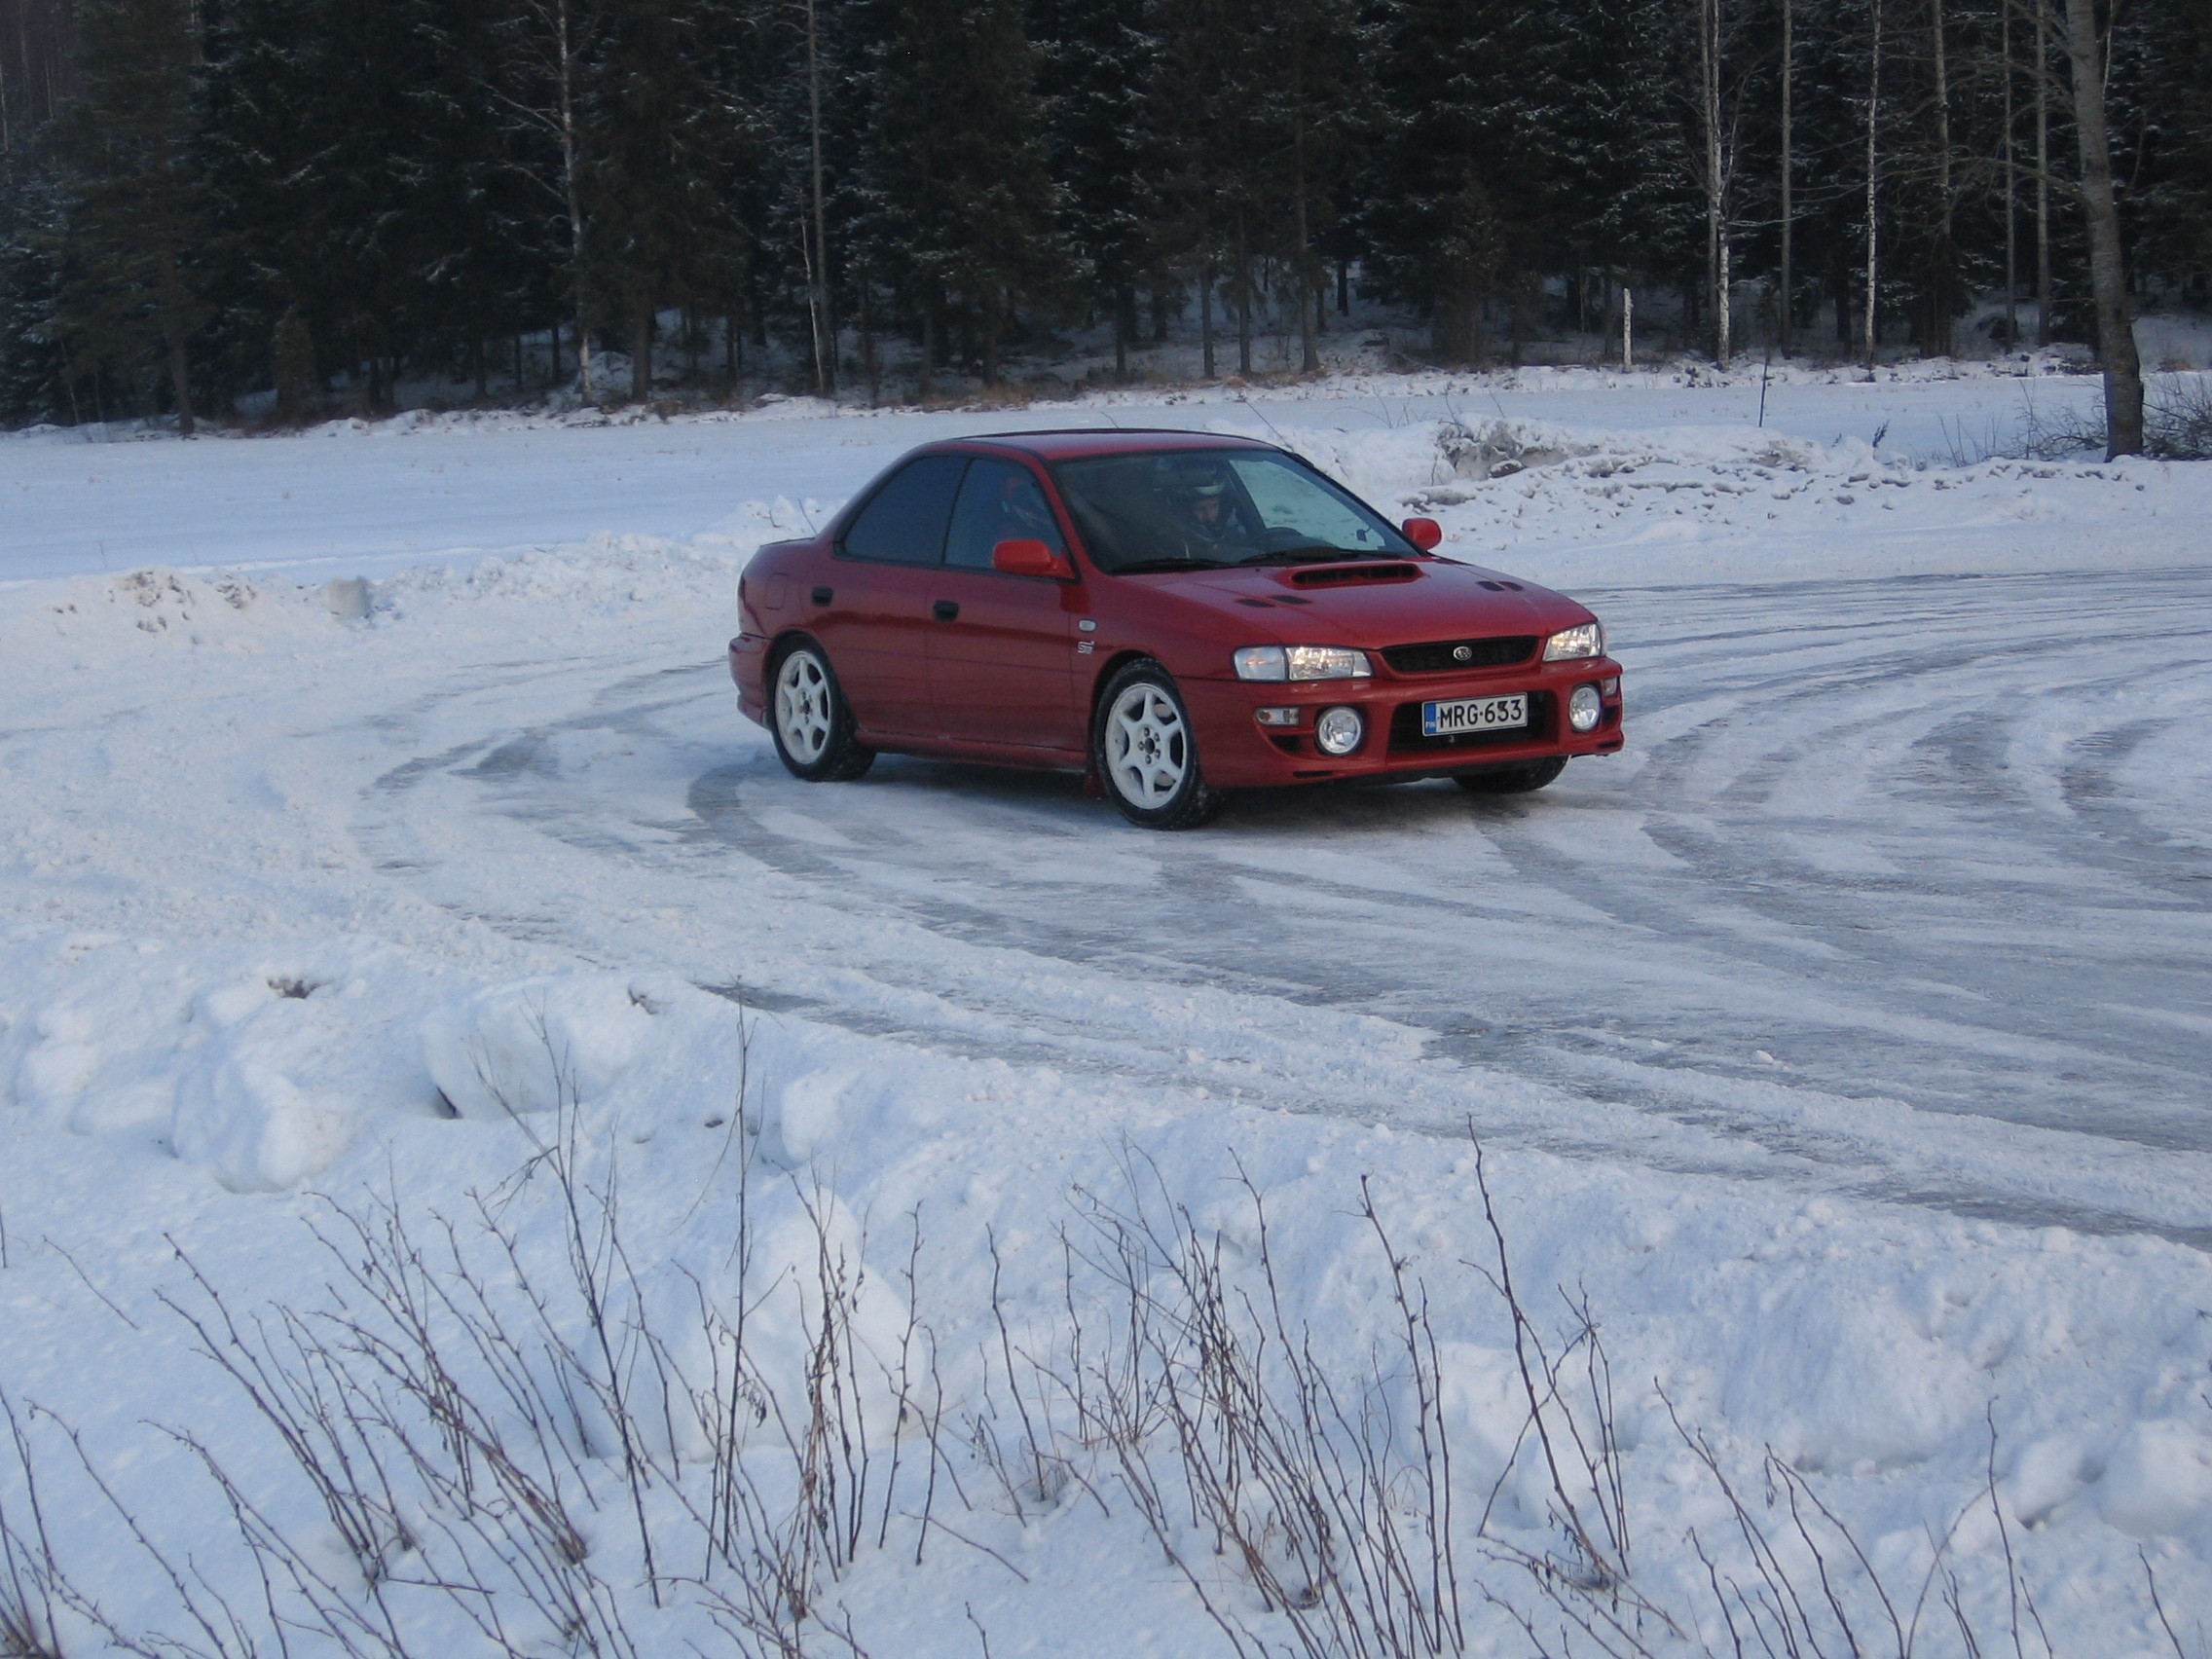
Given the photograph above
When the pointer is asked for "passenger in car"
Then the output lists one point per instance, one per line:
(999, 502)
(1023, 515)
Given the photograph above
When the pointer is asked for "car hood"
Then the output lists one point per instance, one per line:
(1373, 604)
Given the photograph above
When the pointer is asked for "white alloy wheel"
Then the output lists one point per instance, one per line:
(804, 707)
(1148, 747)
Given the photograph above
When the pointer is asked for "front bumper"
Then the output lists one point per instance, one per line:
(1238, 753)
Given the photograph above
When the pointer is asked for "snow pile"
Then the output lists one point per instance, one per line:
(950, 1229)
(1389, 388)
(261, 1066)
(1575, 504)
(608, 572)
(565, 412)
(1499, 449)
(255, 1064)
(169, 607)
(537, 1046)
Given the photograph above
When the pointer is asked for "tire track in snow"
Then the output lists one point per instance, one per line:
(1865, 906)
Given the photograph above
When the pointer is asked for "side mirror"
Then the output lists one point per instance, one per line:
(1423, 533)
(1027, 558)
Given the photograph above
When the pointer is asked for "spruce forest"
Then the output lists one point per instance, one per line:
(203, 200)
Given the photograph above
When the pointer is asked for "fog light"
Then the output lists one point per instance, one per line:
(1338, 730)
(1275, 716)
(1584, 707)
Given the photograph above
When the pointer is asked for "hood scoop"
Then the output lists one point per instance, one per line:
(1347, 575)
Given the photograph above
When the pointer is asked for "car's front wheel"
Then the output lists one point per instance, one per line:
(1142, 746)
(1513, 780)
(810, 719)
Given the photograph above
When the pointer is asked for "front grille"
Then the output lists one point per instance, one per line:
(1437, 656)
(1407, 737)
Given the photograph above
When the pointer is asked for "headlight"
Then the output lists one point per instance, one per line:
(1338, 730)
(1302, 662)
(1587, 641)
(1583, 709)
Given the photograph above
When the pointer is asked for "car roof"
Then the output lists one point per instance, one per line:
(1072, 442)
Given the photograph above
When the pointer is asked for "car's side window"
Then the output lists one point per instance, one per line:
(1000, 502)
(904, 522)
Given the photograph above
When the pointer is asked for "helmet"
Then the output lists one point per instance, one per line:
(1196, 478)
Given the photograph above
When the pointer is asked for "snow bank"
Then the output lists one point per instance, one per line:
(1845, 1338)
(537, 1046)
(607, 570)
(1874, 1351)
(1577, 505)
(254, 1064)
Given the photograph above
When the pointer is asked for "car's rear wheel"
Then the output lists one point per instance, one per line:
(1513, 780)
(1143, 749)
(811, 720)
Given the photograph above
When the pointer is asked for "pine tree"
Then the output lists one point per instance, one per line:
(1516, 146)
(539, 78)
(1311, 111)
(1100, 59)
(2161, 114)
(356, 184)
(957, 189)
(650, 116)
(490, 271)
(387, 187)
(35, 381)
(1205, 107)
(132, 200)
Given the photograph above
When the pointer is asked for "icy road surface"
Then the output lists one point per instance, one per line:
(1902, 888)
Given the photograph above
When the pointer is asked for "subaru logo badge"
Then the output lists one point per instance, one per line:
(1463, 653)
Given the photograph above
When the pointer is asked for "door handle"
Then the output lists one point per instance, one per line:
(944, 611)
(821, 595)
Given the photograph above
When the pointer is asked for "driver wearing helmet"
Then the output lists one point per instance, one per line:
(1199, 490)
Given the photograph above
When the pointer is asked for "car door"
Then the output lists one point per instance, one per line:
(1002, 648)
(874, 624)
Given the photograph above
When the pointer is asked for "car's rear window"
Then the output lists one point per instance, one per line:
(904, 522)
(1195, 508)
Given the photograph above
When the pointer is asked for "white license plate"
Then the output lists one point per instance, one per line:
(1474, 713)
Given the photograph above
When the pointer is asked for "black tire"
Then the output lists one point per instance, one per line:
(1513, 780)
(818, 746)
(1141, 717)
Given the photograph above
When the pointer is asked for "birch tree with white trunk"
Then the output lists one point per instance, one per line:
(1871, 338)
(1717, 163)
(541, 89)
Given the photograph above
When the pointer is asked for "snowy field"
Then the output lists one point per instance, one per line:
(983, 1183)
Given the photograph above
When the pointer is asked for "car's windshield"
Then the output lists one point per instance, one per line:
(1185, 509)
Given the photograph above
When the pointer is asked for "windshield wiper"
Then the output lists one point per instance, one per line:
(1178, 562)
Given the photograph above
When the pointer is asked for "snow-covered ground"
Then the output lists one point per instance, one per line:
(1842, 1048)
(355, 498)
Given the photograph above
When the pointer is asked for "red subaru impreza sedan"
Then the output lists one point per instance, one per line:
(1176, 614)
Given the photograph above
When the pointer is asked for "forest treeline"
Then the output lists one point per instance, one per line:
(206, 198)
